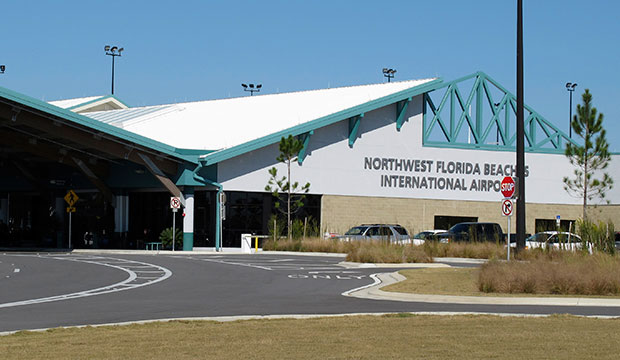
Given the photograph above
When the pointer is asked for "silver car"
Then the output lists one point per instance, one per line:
(556, 240)
(387, 232)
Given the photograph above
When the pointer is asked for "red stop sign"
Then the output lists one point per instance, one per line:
(508, 187)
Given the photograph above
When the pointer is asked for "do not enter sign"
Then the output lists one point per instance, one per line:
(508, 187)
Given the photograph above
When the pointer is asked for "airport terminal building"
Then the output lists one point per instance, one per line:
(422, 153)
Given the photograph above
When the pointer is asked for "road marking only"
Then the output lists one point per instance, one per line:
(134, 280)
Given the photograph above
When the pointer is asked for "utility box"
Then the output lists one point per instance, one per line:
(246, 243)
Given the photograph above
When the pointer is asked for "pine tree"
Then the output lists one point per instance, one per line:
(282, 188)
(591, 157)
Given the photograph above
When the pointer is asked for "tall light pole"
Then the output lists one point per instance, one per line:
(570, 87)
(520, 133)
(389, 73)
(113, 51)
(251, 88)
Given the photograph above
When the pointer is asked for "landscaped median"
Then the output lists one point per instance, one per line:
(534, 272)
(557, 274)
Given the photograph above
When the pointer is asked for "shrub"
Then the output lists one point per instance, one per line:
(476, 250)
(166, 238)
(308, 245)
(312, 227)
(384, 252)
(358, 251)
(600, 235)
(280, 227)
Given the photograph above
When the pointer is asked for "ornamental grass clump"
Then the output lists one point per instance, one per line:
(308, 245)
(357, 251)
(601, 235)
(474, 250)
(566, 274)
(384, 252)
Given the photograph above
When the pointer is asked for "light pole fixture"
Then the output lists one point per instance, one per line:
(252, 88)
(520, 133)
(389, 73)
(570, 87)
(113, 51)
(2, 68)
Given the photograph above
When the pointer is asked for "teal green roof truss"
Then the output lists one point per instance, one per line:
(484, 119)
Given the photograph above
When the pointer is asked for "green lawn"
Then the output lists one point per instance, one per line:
(358, 337)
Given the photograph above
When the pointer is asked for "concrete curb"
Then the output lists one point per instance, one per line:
(354, 265)
(300, 253)
(300, 317)
(373, 291)
(233, 251)
(200, 252)
(156, 252)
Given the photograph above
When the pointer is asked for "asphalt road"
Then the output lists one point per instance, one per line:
(51, 290)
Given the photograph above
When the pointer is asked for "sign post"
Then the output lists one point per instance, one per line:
(507, 208)
(175, 204)
(71, 198)
(508, 188)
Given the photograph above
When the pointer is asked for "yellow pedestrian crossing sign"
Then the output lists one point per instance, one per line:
(71, 198)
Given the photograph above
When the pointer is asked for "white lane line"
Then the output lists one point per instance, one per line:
(239, 264)
(127, 284)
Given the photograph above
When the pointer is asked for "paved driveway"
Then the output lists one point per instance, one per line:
(50, 290)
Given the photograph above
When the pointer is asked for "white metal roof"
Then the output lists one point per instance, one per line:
(91, 104)
(219, 124)
(67, 103)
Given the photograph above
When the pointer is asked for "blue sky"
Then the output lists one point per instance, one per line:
(196, 50)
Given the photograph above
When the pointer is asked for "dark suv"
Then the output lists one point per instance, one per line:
(472, 232)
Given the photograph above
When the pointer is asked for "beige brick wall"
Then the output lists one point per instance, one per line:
(339, 213)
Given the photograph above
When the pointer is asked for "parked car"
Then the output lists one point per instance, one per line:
(556, 240)
(388, 232)
(420, 238)
(471, 232)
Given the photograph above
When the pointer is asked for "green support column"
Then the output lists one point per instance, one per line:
(218, 217)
